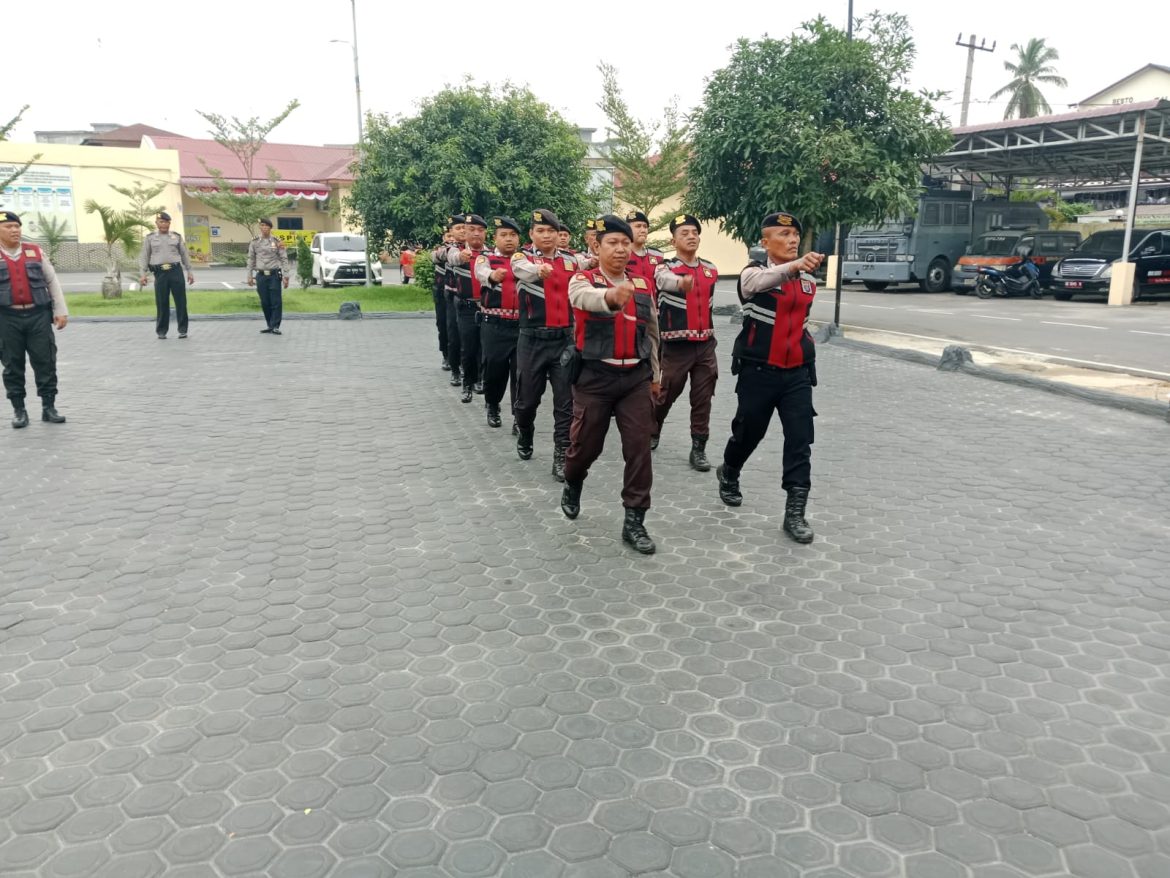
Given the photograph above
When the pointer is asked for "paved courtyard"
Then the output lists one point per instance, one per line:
(285, 607)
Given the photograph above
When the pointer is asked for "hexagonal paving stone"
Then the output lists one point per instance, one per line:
(1055, 826)
(965, 844)
(474, 859)
(741, 838)
(640, 852)
(420, 847)
(700, 861)
(579, 841)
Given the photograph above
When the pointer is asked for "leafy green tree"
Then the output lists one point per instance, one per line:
(650, 167)
(304, 263)
(424, 269)
(1031, 69)
(5, 130)
(815, 124)
(244, 140)
(478, 149)
(140, 197)
(52, 231)
(118, 228)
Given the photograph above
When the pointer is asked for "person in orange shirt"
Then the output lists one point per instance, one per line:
(406, 262)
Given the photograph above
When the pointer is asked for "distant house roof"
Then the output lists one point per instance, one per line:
(303, 171)
(1093, 97)
(126, 136)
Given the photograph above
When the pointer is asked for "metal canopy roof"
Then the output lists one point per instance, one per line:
(1071, 150)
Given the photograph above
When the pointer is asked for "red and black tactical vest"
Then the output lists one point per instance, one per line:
(500, 299)
(645, 266)
(774, 325)
(466, 286)
(22, 280)
(544, 304)
(617, 338)
(687, 316)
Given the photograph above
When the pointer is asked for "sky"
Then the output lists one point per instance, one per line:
(122, 62)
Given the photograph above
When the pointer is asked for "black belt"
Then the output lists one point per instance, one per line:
(546, 331)
(21, 309)
(268, 272)
(503, 321)
(165, 266)
(468, 304)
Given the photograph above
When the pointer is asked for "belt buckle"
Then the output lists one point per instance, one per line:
(166, 266)
(268, 272)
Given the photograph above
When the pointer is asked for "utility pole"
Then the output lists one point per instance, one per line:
(839, 246)
(971, 48)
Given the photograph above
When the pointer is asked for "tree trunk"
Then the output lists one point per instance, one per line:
(112, 282)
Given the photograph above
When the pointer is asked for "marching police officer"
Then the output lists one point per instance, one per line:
(564, 234)
(462, 262)
(500, 315)
(616, 335)
(165, 254)
(774, 356)
(542, 273)
(644, 261)
(439, 260)
(268, 270)
(450, 285)
(31, 304)
(686, 297)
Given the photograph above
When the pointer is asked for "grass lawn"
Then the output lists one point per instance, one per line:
(296, 300)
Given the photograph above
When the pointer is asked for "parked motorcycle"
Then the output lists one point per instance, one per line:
(1020, 279)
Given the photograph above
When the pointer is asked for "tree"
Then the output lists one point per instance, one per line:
(139, 197)
(5, 130)
(650, 169)
(244, 140)
(118, 227)
(304, 263)
(815, 124)
(1030, 68)
(52, 232)
(467, 149)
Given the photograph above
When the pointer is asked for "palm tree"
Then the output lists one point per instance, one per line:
(118, 227)
(1030, 68)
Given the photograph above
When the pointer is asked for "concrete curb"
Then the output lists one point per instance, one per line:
(958, 359)
(200, 318)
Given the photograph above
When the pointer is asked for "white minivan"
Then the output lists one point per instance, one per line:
(339, 258)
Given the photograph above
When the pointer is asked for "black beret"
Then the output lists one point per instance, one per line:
(636, 216)
(7, 216)
(564, 228)
(266, 222)
(474, 219)
(163, 215)
(684, 219)
(456, 220)
(544, 217)
(506, 222)
(782, 219)
(609, 223)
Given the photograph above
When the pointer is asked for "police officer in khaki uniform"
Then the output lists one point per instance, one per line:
(165, 254)
(31, 304)
(268, 270)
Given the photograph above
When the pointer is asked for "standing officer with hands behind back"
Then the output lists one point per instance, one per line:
(31, 304)
(165, 254)
(774, 357)
(267, 268)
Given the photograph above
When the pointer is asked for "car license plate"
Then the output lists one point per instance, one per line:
(1072, 284)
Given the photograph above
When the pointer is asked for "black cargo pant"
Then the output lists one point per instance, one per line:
(269, 286)
(603, 392)
(469, 343)
(440, 315)
(454, 346)
(764, 391)
(538, 362)
(28, 330)
(169, 282)
(499, 339)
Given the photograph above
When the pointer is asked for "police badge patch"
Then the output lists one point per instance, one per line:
(806, 286)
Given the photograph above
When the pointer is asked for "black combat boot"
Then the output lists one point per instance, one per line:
(571, 499)
(524, 442)
(654, 442)
(558, 467)
(699, 453)
(468, 392)
(794, 523)
(728, 485)
(479, 387)
(19, 417)
(456, 378)
(634, 532)
(515, 429)
(446, 367)
(49, 413)
(493, 415)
